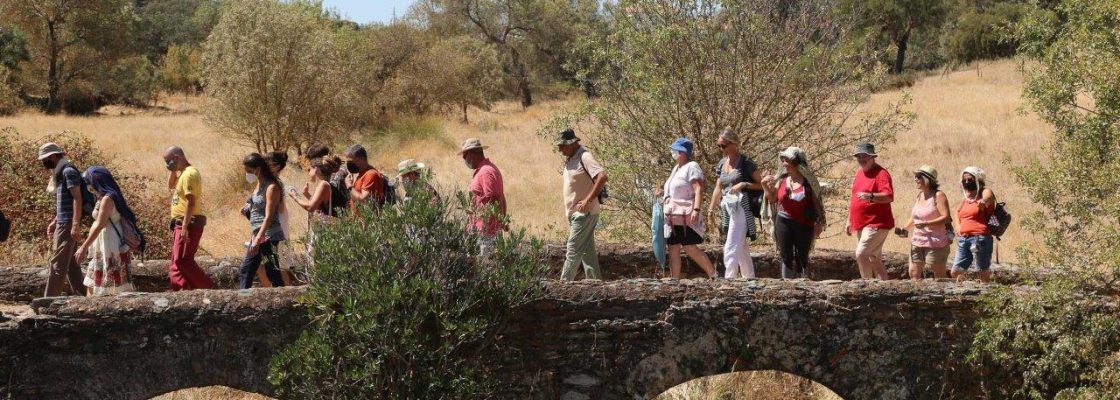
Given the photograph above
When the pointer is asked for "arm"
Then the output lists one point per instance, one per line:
(756, 182)
(942, 202)
(600, 181)
(106, 210)
(988, 198)
(76, 222)
(697, 197)
(770, 188)
(172, 180)
(189, 213)
(322, 193)
(713, 203)
(886, 189)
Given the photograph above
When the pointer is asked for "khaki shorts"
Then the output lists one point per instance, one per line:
(871, 241)
(929, 256)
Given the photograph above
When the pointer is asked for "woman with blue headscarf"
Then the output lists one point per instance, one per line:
(108, 271)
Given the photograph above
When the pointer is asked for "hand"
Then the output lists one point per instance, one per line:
(580, 207)
(307, 190)
(81, 253)
(920, 225)
(848, 228)
(660, 192)
(255, 245)
(184, 239)
(76, 233)
(50, 231)
(349, 180)
(864, 196)
(694, 217)
(735, 189)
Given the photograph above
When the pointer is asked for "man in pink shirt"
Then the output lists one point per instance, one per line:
(869, 214)
(488, 195)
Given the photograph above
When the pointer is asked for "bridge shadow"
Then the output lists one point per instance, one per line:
(750, 385)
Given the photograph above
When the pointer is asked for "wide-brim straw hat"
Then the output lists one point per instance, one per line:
(409, 166)
(927, 171)
(472, 144)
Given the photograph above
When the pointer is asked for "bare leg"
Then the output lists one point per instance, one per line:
(262, 278)
(675, 261)
(700, 258)
(286, 276)
(916, 270)
(985, 276)
(880, 269)
(939, 271)
(958, 275)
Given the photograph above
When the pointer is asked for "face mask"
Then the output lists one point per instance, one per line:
(351, 167)
(49, 164)
(468, 164)
(969, 185)
(250, 178)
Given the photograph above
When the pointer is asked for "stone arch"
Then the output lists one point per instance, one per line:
(766, 384)
(211, 392)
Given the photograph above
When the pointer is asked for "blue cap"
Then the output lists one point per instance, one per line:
(682, 145)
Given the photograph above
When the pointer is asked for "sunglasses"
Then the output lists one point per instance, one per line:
(723, 145)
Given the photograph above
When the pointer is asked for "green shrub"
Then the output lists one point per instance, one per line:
(401, 309)
(10, 103)
(132, 81)
(983, 35)
(79, 98)
(31, 208)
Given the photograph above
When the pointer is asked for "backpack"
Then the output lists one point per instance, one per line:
(998, 221)
(604, 194)
(131, 236)
(390, 189)
(88, 200)
(5, 227)
(340, 197)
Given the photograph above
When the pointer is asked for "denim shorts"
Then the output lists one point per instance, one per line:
(970, 248)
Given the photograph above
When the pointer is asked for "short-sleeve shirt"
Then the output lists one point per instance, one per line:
(370, 181)
(679, 188)
(189, 184)
(863, 213)
(487, 192)
(70, 178)
(579, 171)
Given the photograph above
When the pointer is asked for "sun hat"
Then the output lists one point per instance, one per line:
(682, 145)
(472, 144)
(409, 166)
(48, 150)
(793, 153)
(977, 173)
(928, 171)
(865, 148)
(568, 136)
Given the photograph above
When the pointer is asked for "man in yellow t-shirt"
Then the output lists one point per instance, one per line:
(186, 222)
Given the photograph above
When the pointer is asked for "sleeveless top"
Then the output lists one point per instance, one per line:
(974, 220)
(933, 236)
(257, 204)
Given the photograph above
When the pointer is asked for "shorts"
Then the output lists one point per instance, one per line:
(973, 248)
(929, 256)
(683, 236)
(871, 241)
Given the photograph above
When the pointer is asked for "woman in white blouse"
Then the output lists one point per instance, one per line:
(685, 224)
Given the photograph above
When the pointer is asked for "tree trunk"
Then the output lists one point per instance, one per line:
(53, 84)
(900, 58)
(465, 121)
(522, 78)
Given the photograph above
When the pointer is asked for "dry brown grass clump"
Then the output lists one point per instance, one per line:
(211, 393)
(753, 385)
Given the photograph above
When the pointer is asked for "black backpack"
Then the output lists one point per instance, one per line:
(340, 197)
(390, 190)
(999, 220)
(5, 227)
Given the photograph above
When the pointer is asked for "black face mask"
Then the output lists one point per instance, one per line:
(353, 168)
(50, 164)
(969, 185)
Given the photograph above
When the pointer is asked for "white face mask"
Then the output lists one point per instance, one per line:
(250, 178)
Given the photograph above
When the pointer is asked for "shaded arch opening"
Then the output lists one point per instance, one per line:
(211, 393)
(750, 385)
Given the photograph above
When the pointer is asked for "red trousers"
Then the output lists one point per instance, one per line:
(185, 272)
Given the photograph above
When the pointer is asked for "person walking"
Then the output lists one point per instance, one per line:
(928, 226)
(320, 199)
(367, 183)
(413, 184)
(683, 192)
(488, 196)
(738, 179)
(583, 181)
(277, 162)
(187, 224)
(975, 244)
(264, 205)
(109, 271)
(65, 230)
(800, 216)
(869, 212)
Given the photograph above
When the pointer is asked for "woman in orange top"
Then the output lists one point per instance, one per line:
(975, 242)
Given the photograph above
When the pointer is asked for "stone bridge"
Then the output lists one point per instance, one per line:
(619, 339)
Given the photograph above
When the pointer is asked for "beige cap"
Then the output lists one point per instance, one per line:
(48, 150)
(408, 166)
(472, 144)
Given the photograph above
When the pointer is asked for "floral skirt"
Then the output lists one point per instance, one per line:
(109, 274)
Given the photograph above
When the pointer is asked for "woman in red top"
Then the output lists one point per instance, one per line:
(800, 212)
(976, 241)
